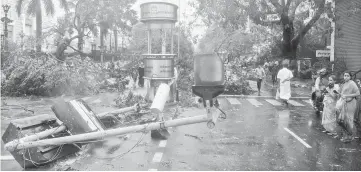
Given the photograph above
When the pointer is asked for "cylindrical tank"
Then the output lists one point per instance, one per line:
(160, 98)
(209, 70)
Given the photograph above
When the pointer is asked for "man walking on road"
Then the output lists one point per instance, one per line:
(274, 70)
(284, 77)
(260, 74)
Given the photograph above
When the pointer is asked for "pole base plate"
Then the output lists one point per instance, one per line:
(161, 134)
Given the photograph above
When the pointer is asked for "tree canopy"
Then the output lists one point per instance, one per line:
(294, 18)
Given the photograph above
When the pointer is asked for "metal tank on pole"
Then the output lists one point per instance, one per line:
(159, 66)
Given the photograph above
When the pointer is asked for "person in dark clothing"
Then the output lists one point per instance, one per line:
(141, 76)
(274, 71)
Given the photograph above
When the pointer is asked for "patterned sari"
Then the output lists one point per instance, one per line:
(358, 110)
(348, 111)
(329, 112)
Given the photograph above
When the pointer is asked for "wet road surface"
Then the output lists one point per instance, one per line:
(264, 138)
(258, 134)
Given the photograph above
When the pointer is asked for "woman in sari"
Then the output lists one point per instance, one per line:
(349, 92)
(358, 109)
(329, 112)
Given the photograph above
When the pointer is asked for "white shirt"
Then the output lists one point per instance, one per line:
(285, 86)
(284, 74)
(260, 73)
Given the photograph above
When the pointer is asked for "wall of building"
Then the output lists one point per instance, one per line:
(21, 24)
(348, 33)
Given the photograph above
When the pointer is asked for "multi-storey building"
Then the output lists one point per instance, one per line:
(21, 25)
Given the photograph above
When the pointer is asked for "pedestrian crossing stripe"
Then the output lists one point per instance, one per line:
(308, 101)
(233, 101)
(254, 102)
(274, 102)
(96, 101)
(294, 103)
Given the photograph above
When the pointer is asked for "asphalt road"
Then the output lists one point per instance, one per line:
(258, 134)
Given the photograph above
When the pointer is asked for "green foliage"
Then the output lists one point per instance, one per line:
(293, 25)
(46, 76)
(128, 99)
(236, 82)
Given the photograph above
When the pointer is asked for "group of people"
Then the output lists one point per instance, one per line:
(341, 102)
(281, 76)
(341, 105)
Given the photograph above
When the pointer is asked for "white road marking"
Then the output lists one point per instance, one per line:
(96, 101)
(86, 98)
(294, 103)
(162, 143)
(157, 157)
(247, 96)
(308, 101)
(152, 170)
(298, 138)
(254, 102)
(233, 101)
(274, 102)
(7, 158)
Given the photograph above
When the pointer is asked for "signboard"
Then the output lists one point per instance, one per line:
(273, 17)
(158, 67)
(158, 11)
(323, 53)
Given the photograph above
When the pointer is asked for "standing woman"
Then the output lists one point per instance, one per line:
(329, 110)
(358, 109)
(349, 92)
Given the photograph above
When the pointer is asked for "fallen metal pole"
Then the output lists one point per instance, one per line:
(43, 134)
(46, 133)
(11, 146)
(135, 108)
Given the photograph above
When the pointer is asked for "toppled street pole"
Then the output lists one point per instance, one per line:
(11, 146)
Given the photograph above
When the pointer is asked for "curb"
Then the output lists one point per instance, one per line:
(300, 86)
(295, 85)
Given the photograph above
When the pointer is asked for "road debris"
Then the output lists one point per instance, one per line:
(196, 137)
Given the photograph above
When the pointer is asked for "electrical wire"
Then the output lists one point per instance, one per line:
(122, 154)
(135, 145)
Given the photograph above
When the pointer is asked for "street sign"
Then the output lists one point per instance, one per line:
(158, 11)
(323, 53)
(158, 67)
(273, 17)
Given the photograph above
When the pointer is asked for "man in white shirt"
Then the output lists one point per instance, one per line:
(284, 77)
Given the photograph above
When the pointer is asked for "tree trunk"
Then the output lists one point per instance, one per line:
(39, 22)
(80, 46)
(115, 40)
(101, 38)
(289, 50)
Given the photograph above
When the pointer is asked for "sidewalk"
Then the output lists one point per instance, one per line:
(303, 83)
(296, 83)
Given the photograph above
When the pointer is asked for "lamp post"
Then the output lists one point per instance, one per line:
(2, 42)
(6, 20)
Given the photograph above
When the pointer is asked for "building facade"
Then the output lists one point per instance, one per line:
(348, 33)
(21, 28)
